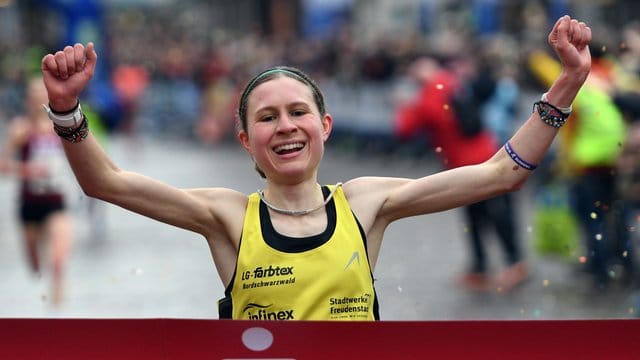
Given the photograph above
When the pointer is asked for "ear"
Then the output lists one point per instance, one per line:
(327, 126)
(243, 137)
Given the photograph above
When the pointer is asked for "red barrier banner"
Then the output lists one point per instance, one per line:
(183, 339)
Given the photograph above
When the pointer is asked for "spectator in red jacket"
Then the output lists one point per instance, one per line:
(437, 111)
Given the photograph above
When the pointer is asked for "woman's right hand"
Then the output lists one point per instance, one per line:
(66, 73)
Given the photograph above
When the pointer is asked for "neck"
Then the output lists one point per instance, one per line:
(299, 195)
(301, 201)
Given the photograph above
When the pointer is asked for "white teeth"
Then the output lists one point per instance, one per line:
(289, 147)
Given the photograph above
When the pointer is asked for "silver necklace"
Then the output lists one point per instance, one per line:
(298, 212)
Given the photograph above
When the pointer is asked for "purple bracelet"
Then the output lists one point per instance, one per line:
(517, 159)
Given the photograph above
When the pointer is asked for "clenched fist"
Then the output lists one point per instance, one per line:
(66, 73)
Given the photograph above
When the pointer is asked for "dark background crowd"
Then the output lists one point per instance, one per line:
(177, 65)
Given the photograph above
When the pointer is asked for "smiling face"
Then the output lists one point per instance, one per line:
(285, 131)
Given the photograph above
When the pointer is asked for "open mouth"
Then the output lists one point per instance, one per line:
(288, 148)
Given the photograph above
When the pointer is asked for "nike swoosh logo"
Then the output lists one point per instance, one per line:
(356, 257)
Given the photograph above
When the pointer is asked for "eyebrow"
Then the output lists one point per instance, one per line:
(288, 105)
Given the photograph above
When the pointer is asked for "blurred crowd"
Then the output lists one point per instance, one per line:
(170, 71)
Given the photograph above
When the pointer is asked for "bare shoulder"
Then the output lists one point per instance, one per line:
(225, 208)
(221, 202)
(371, 186)
(369, 195)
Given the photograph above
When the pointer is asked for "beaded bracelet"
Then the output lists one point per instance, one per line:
(517, 159)
(550, 114)
(73, 135)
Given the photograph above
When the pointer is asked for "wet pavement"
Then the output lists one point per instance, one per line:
(128, 266)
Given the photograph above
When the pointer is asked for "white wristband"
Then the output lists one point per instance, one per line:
(565, 110)
(70, 119)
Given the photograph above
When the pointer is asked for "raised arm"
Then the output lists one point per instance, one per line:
(66, 74)
(570, 40)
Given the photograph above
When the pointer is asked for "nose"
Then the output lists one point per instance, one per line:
(286, 123)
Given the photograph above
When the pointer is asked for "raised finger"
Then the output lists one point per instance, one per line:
(578, 34)
(61, 62)
(585, 31)
(90, 59)
(553, 34)
(563, 28)
(79, 57)
(69, 53)
(50, 65)
(575, 33)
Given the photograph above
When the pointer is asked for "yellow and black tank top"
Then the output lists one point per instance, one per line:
(321, 277)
